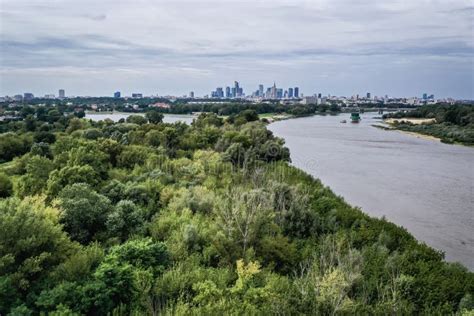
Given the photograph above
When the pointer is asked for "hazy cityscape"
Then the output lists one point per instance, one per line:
(291, 95)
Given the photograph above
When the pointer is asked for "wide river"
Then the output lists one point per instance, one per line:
(423, 185)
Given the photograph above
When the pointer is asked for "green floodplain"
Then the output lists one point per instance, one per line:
(141, 217)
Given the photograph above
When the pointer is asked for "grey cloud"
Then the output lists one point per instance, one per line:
(229, 39)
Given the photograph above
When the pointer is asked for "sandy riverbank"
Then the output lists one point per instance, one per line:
(418, 135)
(415, 121)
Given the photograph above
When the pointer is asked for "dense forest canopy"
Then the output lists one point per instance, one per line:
(145, 218)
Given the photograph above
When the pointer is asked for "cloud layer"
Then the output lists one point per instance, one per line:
(171, 47)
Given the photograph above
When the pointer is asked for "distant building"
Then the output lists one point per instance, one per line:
(137, 95)
(273, 93)
(18, 97)
(219, 93)
(237, 91)
(49, 96)
(117, 95)
(297, 92)
(191, 94)
(309, 100)
(425, 96)
(260, 90)
(28, 96)
(268, 94)
(228, 93)
(160, 105)
(290, 93)
(369, 96)
(61, 93)
(320, 95)
(279, 94)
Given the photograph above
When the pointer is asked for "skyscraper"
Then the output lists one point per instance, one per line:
(219, 92)
(62, 94)
(297, 92)
(279, 93)
(236, 89)
(191, 94)
(260, 90)
(290, 93)
(369, 96)
(227, 92)
(273, 91)
(117, 94)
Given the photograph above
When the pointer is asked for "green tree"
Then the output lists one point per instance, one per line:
(154, 117)
(132, 155)
(58, 179)
(84, 212)
(44, 137)
(35, 180)
(32, 243)
(136, 119)
(125, 220)
(6, 186)
(13, 145)
(41, 149)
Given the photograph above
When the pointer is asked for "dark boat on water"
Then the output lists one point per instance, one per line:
(355, 117)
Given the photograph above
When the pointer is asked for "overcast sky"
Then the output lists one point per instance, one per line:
(337, 47)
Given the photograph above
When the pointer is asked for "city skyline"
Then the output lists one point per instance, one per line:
(398, 48)
(235, 92)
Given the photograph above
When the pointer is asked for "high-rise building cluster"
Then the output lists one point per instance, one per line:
(230, 92)
(270, 93)
(276, 93)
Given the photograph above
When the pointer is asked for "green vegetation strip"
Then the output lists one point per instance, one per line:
(454, 124)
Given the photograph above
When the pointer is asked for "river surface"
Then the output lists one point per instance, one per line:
(423, 185)
(116, 116)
